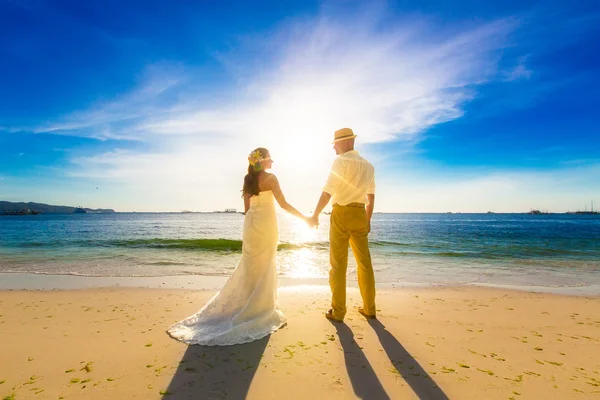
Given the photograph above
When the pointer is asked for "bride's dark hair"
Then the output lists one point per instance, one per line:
(251, 179)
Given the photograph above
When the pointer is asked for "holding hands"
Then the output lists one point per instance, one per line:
(312, 222)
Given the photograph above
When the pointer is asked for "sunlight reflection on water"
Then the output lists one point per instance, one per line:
(303, 264)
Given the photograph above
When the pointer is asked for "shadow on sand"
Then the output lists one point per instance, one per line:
(364, 381)
(227, 372)
(216, 372)
(412, 372)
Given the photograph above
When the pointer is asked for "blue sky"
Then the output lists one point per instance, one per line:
(154, 106)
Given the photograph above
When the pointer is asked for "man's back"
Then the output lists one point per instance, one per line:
(352, 177)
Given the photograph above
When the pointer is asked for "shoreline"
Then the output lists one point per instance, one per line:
(50, 282)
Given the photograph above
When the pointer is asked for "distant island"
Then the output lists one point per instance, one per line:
(10, 208)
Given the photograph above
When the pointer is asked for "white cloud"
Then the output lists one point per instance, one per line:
(189, 180)
(557, 190)
(382, 77)
(289, 90)
(329, 73)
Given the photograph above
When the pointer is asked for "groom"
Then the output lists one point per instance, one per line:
(351, 184)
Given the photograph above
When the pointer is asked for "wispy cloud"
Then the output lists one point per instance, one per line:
(383, 78)
(520, 71)
(116, 119)
(327, 73)
(582, 161)
(191, 178)
(387, 78)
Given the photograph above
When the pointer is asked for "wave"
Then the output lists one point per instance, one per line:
(193, 244)
(392, 248)
(108, 275)
(206, 244)
(176, 244)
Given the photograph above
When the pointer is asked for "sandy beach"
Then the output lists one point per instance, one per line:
(430, 343)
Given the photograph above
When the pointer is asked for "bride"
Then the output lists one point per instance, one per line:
(246, 308)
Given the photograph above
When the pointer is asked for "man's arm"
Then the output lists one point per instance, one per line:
(370, 200)
(333, 183)
(370, 207)
(323, 200)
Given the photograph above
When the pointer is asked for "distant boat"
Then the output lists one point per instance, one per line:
(586, 212)
(80, 210)
(186, 212)
(491, 212)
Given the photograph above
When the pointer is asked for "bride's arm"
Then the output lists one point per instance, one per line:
(274, 186)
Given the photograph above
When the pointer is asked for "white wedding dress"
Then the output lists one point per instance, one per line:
(246, 308)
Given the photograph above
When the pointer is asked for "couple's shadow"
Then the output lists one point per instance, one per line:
(366, 384)
(216, 372)
(227, 372)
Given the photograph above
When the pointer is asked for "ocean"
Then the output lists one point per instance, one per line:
(548, 250)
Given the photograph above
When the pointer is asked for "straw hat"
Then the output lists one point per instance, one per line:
(343, 134)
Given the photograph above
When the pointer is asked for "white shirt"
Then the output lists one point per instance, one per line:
(351, 179)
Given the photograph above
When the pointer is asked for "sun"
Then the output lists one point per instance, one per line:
(298, 128)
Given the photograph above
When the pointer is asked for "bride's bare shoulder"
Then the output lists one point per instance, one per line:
(270, 181)
(265, 177)
(267, 181)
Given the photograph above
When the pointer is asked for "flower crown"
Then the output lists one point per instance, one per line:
(255, 158)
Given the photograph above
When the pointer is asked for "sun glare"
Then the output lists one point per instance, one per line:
(305, 260)
(300, 152)
(302, 233)
(302, 265)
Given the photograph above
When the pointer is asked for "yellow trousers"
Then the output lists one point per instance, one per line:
(349, 224)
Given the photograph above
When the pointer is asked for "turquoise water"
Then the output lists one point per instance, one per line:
(512, 249)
